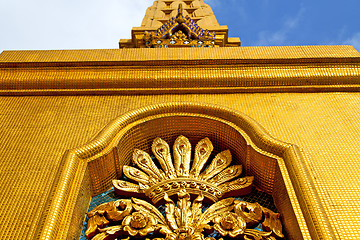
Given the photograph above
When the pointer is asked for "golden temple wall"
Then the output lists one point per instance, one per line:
(53, 101)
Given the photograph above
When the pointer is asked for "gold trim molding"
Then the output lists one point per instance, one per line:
(89, 170)
(125, 72)
(175, 80)
(177, 71)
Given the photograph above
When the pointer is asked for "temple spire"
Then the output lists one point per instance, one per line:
(192, 18)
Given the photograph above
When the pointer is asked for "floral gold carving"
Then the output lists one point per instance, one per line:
(219, 179)
(181, 186)
(185, 220)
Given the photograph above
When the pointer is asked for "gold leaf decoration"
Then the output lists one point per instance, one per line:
(220, 162)
(184, 220)
(136, 175)
(161, 151)
(272, 222)
(202, 153)
(178, 173)
(144, 161)
(182, 188)
(182, 156)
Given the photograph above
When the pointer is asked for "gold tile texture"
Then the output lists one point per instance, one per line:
(36, 132)
(141, 126)
(185, 54)
(145, 71)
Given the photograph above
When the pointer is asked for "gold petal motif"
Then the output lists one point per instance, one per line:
(101, 236)
(183, 209)
(250, 212)
(136, 175)
(144, 162)
(95, 222)
(130, 230)
(219, 163)
(202, 153)
(106, 232)
(252, 234)
(182, 156)
(170, 213)
(173, 176)
(123, 186)
(114, 214)
(229, 223)
(238, 187)
(226, 175)
(143, 206)
(185, 219)
(196, 209)
(102, 214)
(161, 151)
(272, 222)
(216, 209)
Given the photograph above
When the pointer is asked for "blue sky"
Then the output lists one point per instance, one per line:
(279, 22)
(92, 24)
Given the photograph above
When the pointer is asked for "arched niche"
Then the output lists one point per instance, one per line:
(277, 167)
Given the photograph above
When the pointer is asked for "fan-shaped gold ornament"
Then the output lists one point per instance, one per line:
(219, 179)
(185, 219)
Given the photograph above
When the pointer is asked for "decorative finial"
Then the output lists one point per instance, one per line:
(180, 17)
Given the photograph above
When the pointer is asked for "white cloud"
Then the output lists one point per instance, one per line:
(44, 24)
(354, 41)
(268, 38)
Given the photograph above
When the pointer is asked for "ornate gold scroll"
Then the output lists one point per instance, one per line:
(219, 179)
(185, 220)
(183, 179)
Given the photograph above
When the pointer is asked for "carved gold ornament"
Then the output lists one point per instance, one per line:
(179, 31)
(219, 179)
(185, 220)
(190, 185)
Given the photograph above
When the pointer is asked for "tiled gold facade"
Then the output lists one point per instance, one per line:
(292, 117)
(159, 71)
(70, 118)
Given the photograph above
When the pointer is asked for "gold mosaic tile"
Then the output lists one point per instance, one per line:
(36, 131)
(185, 54)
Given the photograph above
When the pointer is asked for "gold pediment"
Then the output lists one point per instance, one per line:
(179, 31)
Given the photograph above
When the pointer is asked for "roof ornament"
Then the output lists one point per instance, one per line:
(163, 36)
(180, 18)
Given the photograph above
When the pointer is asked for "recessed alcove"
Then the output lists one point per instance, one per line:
(90, 169)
